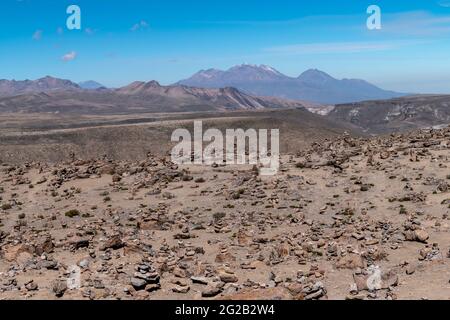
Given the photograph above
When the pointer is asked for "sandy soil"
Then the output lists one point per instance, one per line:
(348, 219)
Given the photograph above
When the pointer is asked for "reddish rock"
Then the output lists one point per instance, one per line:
(351, 261)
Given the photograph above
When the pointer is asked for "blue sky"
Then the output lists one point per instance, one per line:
(123, 41)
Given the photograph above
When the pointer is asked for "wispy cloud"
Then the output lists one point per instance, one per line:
(444, 3)
(141, 25)
(339, 47)
(90, 31)
(417, 23)
(69, 56)
(37, 35)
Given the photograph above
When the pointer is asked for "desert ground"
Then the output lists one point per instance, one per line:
(347, 216)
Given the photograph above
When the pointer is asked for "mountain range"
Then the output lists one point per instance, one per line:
(46, 84)
(137, 97)
(312, 85)
(90, 85)
(52, 95)
(13, 87)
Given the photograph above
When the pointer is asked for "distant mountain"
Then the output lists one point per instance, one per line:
(395, 115)
(141, 97)
(47, 84)
(90, 85)
(312, 85)
(237, 74)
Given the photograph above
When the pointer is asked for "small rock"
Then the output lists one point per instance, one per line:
(227, 277)
(59, 287)
(211, 291)
(411, 268)
(152, 287)
(181, 289)
(200, 280)
(31, 286)
(416, 235)
(351, 261)
(138, 284)
(115, 242)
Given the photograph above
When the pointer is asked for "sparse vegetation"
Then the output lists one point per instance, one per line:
(6, 206)
(219, 215)
(72, 213)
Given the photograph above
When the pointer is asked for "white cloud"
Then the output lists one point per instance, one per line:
(339, 47)
(141, 25)
(89, 31)
(37, 35)
(69, 56)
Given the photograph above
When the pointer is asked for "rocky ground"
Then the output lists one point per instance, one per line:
(348, 219)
